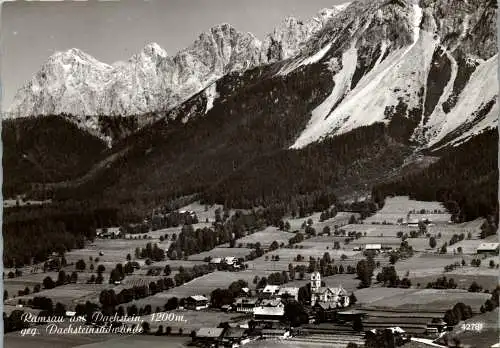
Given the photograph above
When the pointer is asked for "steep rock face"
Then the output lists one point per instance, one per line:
(74, 83)
(151, 81)
(408, 64)
(290, 35)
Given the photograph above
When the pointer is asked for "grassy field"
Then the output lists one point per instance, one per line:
(385, 241)
(201, 286)
(463, 280)
(424, 300)
(265, 237)
(432, 264)
(398, 207)
(379, 230)
(68, 294)
(341, 219)
(425, 264)
(221, 252)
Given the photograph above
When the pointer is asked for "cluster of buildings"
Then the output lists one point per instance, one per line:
(108, 232)
(267, 308)
(229, 263)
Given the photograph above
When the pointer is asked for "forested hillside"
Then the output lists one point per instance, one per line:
(45, 149)
(467, 175)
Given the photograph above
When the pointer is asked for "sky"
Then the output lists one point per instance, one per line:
(31, 31)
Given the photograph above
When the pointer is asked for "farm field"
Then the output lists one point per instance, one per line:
(313, 249)
(379, 230)
(425, 300)
(221, 252)
(385, 241)
(265, 237)
(114, 250)
(341, 219)
(201, 286)
(423, 264)
(68, 294)
(398, 207)
(463, 280)
(427, 264)
(155, 235)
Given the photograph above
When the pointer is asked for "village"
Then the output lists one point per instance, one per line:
(333, 278)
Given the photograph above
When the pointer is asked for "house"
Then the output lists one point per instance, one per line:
(269, 309)
(270, 291)
(246, 292)
(275, 302)
(336, 296)
(488, 249)
(208, 335)
(291, 292)
(230, 260)
(216, 261)
(108, 232)
(245, 305)
(374, 247)
(234, 337)
(196, 302)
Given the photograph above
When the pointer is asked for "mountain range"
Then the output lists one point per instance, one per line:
(73, 82)
(341, 102)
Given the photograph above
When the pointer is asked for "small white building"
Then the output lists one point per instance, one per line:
(216, 261)
(246, 305)
(269, 311)
(108, 232)
(374, 247)
(488, 248)
(197, 302)
(230, 260)
(271, 290)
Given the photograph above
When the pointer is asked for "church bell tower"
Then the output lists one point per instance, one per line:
(315, 286)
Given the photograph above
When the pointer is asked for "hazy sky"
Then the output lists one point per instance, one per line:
(115, 30)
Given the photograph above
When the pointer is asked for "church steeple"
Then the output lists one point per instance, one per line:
(315, 286)
(315, 281)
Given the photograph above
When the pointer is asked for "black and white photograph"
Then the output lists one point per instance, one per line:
(250, 173)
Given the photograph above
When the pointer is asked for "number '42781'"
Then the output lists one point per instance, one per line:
(472, 326)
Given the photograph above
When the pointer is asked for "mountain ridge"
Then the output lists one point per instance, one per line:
(151, 80)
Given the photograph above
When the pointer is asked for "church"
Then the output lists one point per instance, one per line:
(332, 297)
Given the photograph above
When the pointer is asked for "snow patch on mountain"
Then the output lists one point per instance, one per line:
(306, 61)
(481, 89)
(211, 95)
(319, 119)
(75, 83)
(398, 77)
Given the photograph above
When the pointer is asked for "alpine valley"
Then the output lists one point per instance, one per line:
(375, 97)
